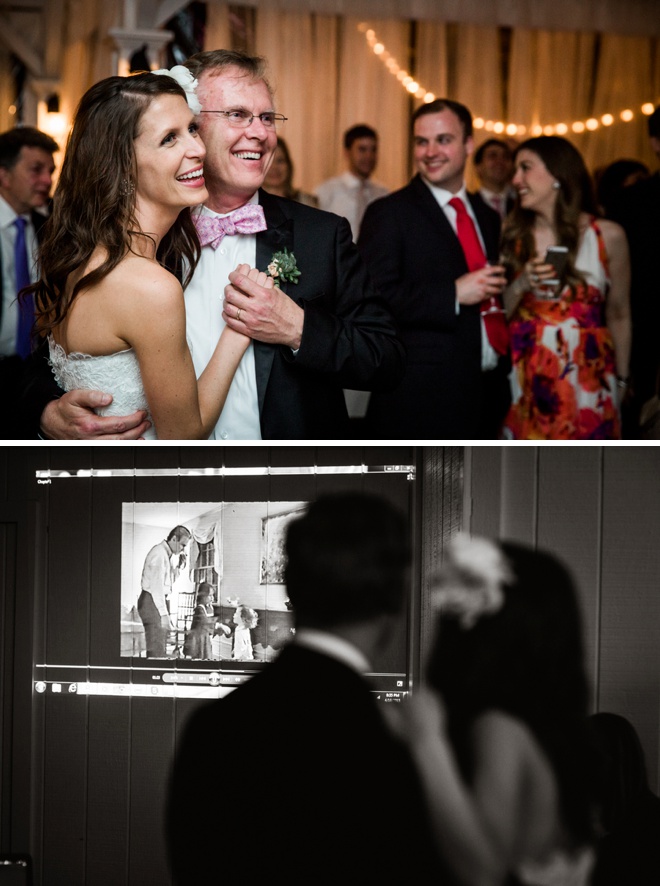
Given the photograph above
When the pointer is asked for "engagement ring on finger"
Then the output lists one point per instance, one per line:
(238, 313)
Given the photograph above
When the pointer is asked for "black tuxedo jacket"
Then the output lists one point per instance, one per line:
(349, 338)
(302, 777)
(415, 258)
(638, 211)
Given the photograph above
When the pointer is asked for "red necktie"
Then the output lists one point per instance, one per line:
(491, 310)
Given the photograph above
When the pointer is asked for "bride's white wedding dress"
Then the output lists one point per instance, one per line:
(117, 374)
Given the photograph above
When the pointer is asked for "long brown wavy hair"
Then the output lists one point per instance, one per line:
(94, 203)
(575, 195)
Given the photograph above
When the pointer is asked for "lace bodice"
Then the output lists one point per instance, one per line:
(117, 374)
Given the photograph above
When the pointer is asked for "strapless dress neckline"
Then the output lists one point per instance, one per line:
(117, 374)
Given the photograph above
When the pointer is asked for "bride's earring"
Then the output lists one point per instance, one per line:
(127, 188)
(556, 185)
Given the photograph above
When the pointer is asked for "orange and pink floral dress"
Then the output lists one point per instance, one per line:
(563, 381)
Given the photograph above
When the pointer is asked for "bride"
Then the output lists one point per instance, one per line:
(111, 310)
(500, 737)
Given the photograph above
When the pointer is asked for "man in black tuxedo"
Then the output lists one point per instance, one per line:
(305, 782)
(26, 173)
(455, 385)
(327, 331)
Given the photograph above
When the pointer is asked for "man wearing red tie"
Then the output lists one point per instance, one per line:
(433, 252)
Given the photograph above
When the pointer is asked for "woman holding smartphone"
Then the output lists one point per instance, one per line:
(568, 310)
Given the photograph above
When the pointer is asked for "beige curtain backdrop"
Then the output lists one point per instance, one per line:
(432, 58)
(302, 56)
(7, 96)
(369, 93)
(87, 52)
(624, 75)
(217, 34)
(477, 49)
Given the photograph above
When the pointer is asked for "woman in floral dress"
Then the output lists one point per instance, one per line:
(570, 341)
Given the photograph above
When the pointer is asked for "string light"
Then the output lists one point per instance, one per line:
(411, 85)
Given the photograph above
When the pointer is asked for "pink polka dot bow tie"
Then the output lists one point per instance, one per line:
(247, 220)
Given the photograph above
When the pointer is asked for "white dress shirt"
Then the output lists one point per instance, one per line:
(239, 419)
(333, 646)
(341, 195)
(497, 201)
(489, 355)
(9, 322)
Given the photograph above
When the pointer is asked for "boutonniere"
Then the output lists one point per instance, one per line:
(283, 267)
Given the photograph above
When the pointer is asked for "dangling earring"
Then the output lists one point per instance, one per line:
(127, 188)
(556, 185)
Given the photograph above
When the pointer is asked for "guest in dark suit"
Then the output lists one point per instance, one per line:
(627, 810)
(638, 212)
(455, 384)
(26, 172)
(316, 333)
(309, 768)
(493, 163)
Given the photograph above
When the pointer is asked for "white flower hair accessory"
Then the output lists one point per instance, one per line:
(470, 583)
(187, 82)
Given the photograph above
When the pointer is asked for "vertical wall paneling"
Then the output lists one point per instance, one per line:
(519, 509)
(442, 517)
(569, 522)
(483, 490)
(598, 508)
(630, 647)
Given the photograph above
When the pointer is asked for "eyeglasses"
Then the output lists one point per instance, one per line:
(242, 119)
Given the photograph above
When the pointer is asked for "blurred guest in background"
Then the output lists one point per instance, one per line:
(26, 175)
(638, 212)
(501, 739)
(493, 163)
(279, 178)
(628, 812)
(349, 194)
(570, 326)
(611, 181)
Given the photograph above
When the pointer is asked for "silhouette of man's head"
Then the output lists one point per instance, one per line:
(347, 560)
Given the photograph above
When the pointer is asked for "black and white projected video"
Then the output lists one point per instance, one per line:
(205, 580)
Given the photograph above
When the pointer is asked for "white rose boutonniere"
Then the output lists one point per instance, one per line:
(187, 82)
(283, 267)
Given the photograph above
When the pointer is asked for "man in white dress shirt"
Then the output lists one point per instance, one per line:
(493, 163)
(311, 336)
(349, 194)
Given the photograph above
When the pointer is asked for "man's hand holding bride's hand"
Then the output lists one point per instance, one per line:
(72, 417)
(256, 307)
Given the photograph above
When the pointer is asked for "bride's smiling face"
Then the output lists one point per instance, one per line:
(170, 157)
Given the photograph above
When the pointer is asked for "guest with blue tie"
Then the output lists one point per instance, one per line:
(26, 171)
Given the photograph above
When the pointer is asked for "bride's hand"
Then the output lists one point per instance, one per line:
(259, 277)
(419, 718)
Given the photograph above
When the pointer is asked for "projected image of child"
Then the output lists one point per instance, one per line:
(198, 639)
(245, 619)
